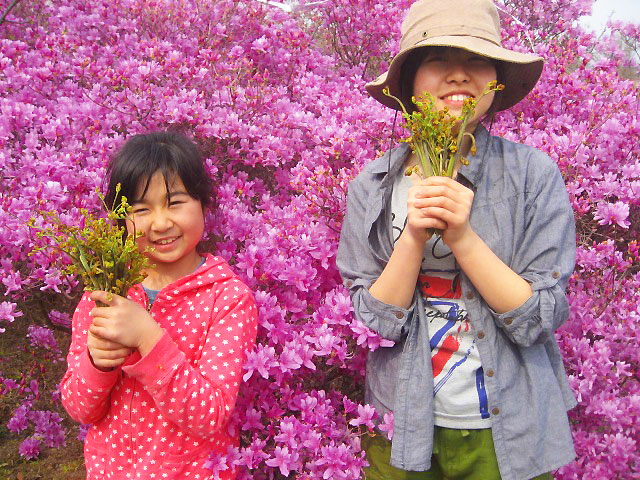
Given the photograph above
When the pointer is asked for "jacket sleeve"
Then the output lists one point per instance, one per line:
(84, 389)
(360, 266)
(545, 258)
(199, 398)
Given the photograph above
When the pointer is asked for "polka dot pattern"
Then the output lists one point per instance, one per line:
(160, 416)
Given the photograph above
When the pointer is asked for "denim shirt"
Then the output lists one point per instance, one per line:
(522, 212)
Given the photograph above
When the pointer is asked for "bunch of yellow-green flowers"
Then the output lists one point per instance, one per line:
(101, 252)
(436, 135)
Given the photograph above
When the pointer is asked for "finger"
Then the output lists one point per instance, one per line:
(439, 201)
(111, 354)
(446, 188)
(457, 209)
(99, 312)
(434, 180)
(103, 344)
(426, 218)
(101, 296)
(429, 191)
(103, 332)
(438, 225)
(107, 298)
(439, 180)
(99, 321)
(430, 222)
(451, 219)
(108, 363)
(453, 185)
(445, 181)
(116, 353)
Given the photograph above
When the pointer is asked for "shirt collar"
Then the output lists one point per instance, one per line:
(473, 172)
(393, 158)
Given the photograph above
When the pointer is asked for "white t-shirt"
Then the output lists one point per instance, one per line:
(459, 392)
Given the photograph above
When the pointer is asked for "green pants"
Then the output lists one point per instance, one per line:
(457, 455)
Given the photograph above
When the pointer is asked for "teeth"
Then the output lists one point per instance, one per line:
(165, 241)
(458, 97)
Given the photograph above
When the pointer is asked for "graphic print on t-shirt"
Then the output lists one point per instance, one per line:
(459, 392)
(458, 377)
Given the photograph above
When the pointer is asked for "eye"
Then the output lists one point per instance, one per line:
(174, 203)
(434, 58)
(139, 210)
(478, 60)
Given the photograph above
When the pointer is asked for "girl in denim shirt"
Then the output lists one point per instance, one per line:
(475, 379)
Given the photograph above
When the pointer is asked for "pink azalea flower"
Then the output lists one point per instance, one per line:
(366, 415)
(284, 460)
(613, 213)
(387, 425)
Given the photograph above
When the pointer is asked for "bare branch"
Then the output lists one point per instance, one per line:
(8, 10)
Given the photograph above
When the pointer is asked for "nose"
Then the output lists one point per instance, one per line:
(457, 72)
(161, 221)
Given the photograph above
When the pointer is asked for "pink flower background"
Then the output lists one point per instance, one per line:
(276, 100)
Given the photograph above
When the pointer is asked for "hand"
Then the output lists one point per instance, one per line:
(420, 225)
(125, 322)
(106, 355)
(442, 203)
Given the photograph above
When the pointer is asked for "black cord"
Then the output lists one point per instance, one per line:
(433, 250)
(389, 149)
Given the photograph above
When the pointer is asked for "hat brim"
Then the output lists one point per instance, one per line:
(520, 71)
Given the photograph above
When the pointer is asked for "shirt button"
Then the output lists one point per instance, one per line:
(349, 283)
(490, 372)
(555, 274)
(480, 334)
(398, 314)
(495, 410)
(508, 321)
(470, 296)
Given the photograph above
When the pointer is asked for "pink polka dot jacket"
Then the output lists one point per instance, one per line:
(161, 415)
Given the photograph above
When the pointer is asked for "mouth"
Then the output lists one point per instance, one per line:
(456, 98)
(165, 241)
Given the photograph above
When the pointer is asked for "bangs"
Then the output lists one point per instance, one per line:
(171, 154)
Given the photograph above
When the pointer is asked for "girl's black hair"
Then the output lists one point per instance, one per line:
(170, 153)
(410, 68)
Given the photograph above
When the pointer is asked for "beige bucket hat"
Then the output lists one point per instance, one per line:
(472, 25)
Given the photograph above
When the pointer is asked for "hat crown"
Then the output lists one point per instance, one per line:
(428, 18)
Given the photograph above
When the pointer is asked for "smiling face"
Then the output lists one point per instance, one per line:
(451, 75)
(172, 224)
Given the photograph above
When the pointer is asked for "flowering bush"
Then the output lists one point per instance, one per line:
(276, 100)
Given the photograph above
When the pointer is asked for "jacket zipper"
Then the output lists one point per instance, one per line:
(131, 429)
(133, 393)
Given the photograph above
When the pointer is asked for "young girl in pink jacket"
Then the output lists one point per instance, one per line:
(157, 373)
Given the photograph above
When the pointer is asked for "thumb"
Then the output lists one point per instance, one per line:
(100, 296)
